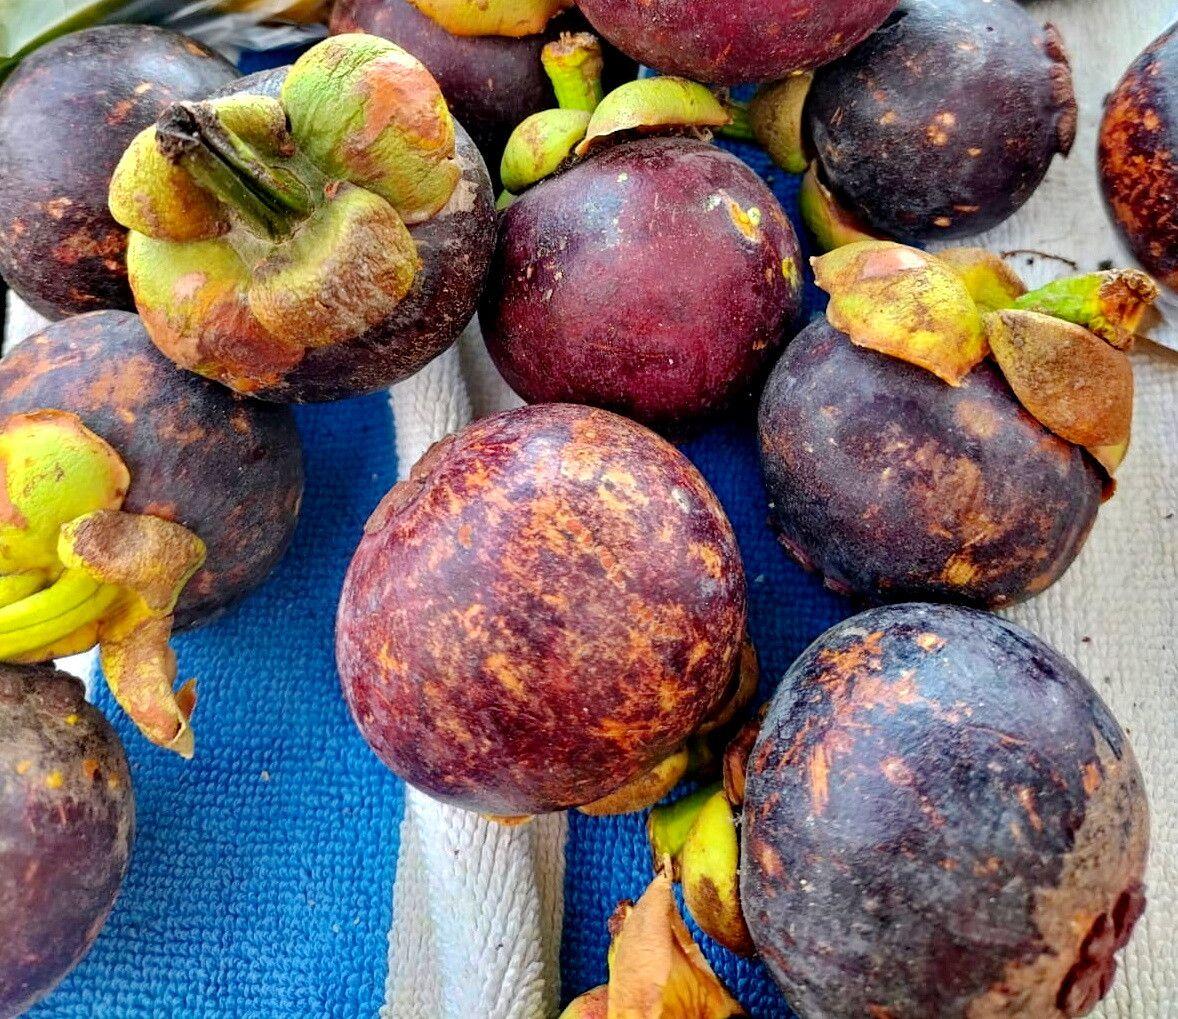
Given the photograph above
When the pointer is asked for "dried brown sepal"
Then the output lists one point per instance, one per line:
(645, 790)
(1069, 379)
(905, 303)
(592, 1004)
(746, 674)
(656, 970)
(736, 758)
(992, 283)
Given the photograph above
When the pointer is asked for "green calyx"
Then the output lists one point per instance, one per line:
(775, 117)
(540, 146)
(76, 571)
(314, 191)
(830, 225)
(663, 105)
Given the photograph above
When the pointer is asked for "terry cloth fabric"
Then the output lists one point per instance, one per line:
(261, 880)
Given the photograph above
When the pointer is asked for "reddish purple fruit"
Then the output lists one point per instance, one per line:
(894, 485)
(66, 115)
(944, 122)
(738, 41)
(656, 279)
(942, 820)
(548, 606)
(67, 821)
(1138, 157)
(229, 469)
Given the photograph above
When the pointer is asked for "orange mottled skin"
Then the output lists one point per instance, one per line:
(942, 820)
(549, 605)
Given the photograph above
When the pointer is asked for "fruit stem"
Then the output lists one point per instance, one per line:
(739, 126)
(1111, 304)
(193, 136)
(574, 64)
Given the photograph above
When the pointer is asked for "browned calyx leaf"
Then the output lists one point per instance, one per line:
(905, 303)
(736, 758)
(741, 689)
(592, 1004)
(645, 790)
(1073, 382)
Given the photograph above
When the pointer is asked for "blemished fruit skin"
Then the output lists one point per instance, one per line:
(67, 823)
(657, 279)
(66, 114)
(548, 606)
(942, 821)
(944, 122)
(1138, 157)
(228, 468)
(739, 41)
(492, 83)
(895, 485)
(455, 248)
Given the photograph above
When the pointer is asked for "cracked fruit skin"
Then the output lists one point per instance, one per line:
(67, 820)
(547, 608)
(986, 802)
(1138, 157)
(741, 41)
(66, 114)
(454, 246)
(492, 83)
(656, 279)
(944, 122)
(894, 485)
(229, 469)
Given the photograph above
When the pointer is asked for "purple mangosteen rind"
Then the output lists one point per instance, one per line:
(568, 608)
(67, 823)
(983, 797)
(66, 114)
(974, 93)
(227, 468)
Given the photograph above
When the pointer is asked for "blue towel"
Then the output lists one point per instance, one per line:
(262, 876)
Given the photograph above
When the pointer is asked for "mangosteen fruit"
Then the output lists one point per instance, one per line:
(917, 445)
(320, 243)
(67, 822)
(1138, 145)
(545, 610)
(652, 276)
(739, 41)
(942, 819)
(66, 114)
(945, 121)
(139, 496)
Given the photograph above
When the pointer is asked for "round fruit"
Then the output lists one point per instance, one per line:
(894, 485)
(1138, 146)
(740, 41)
(66, 115)
(548, 606)
(229, 469)
(944, 122)
(942, 820)
(656, 278)
(67, 820)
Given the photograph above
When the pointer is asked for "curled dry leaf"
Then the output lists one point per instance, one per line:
(1071, 380)
(904, 303)
(651, 105)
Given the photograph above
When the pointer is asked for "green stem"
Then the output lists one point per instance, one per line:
(1111, 304)
(740, 127)
(193, 136)
(574, 64)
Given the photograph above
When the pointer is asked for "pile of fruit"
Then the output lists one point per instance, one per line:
(934, 814)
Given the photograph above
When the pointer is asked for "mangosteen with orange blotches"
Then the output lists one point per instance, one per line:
(640, 269)
(942, 819)
(66, 114)
(541, 614)
(943, 434)
(1137, 157)
(67, 823)
(944, 121)
(139, 496)
(312, 233)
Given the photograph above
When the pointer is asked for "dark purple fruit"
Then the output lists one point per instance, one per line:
(1137, 157)
(942, 820)
(656, 279)
(738, 41)
(67, 821)
(229, 469)
(546, 609)
(944, 122)
(894, 485)
(66, 115)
